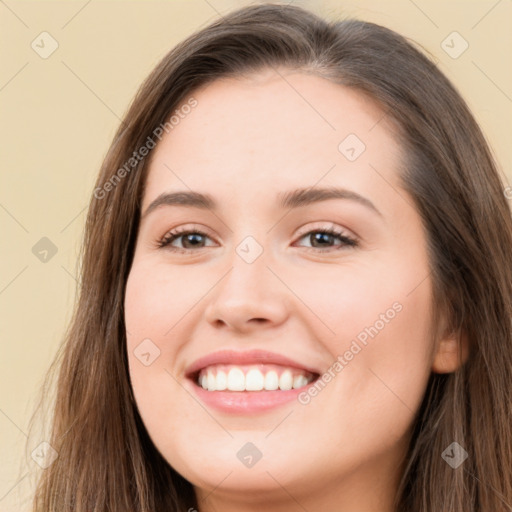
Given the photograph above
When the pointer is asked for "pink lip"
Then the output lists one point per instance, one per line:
(245, 402)
(246, 357)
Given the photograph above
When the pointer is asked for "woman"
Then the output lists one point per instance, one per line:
(215, 362)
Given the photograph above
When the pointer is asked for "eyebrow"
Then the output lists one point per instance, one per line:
(293, 199)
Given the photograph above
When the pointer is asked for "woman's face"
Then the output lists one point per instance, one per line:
(264, 276)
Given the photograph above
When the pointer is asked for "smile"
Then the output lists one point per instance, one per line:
(248, 382)
(262, 377)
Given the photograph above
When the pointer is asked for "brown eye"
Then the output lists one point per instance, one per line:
(191, 239)
(322, 239)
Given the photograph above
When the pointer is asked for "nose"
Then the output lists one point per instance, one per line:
(248, 297)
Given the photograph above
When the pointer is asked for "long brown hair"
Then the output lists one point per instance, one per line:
(106, 460)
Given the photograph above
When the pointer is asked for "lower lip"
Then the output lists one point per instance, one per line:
(246, 402)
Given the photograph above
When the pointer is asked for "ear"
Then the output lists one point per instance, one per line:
(452, 352)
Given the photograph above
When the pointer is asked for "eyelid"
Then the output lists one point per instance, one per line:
(183, 230)
(325, 225)
(317, 225)
(347, 237)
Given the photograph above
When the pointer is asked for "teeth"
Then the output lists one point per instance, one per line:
(252, 379)
(286, 380)
(299, 381)
(236, 380)
(221, 381)
(271, 381)
(211, 381)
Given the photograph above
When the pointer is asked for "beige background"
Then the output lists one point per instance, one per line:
(58, 116)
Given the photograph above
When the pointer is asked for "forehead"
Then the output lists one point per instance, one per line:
(275, 130)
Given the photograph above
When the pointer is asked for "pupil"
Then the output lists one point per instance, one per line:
(319, 237)
(191, 236)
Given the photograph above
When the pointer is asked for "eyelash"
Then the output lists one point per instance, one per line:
(178, 233)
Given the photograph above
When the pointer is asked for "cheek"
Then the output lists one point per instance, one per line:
(158, 296)
(150, 313)
(162, 304)
(380, 318)
(383, 345)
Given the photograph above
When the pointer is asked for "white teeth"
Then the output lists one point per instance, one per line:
(299, 381)
(286, 380)
(221, 381)
(252, 379)
(211, 381)
(236, 380)
(271, 381)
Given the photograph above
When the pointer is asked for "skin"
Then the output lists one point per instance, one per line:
(247, 140)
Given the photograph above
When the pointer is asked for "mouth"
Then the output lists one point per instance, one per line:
(252, 378)
(248, 382)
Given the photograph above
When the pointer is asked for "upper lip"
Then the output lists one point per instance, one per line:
(245, 357)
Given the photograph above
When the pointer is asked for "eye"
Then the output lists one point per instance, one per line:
(322, 239)
(192, 239)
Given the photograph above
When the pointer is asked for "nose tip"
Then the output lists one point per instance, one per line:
(246, 299)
